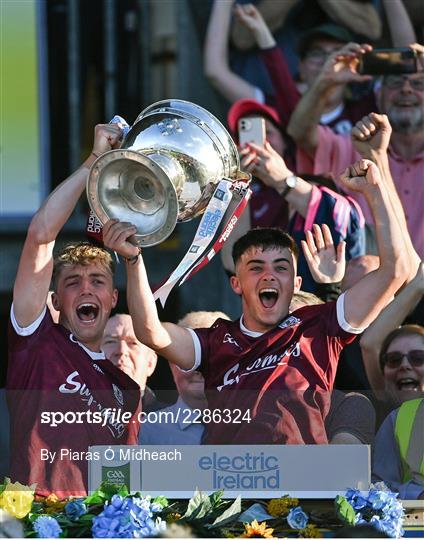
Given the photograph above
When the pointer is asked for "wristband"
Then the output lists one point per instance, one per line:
(134, 259)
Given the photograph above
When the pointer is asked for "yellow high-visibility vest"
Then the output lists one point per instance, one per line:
(409, 433)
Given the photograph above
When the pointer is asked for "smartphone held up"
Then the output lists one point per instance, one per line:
(389, 62)
(252, 129)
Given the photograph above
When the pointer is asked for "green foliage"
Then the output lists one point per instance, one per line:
(161, 500)
(105, 492)
(229, 515)
(344, 510)
(204, 516)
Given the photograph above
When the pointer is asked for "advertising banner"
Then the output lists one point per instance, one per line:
(252, 471)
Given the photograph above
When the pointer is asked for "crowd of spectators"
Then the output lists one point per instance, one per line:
(341, 171)
(320, 116)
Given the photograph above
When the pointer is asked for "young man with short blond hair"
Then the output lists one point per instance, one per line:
(58, 379)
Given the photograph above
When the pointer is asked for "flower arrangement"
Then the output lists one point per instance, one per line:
(112, 512)
(379, 508)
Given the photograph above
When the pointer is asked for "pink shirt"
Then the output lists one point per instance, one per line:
(335, 152)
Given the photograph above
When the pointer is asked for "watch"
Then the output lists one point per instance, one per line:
(291, 182)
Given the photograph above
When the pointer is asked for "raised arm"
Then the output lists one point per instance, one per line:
(364, 301)
(326, 263)
(285, 90)
(36, 262)
(362, 18)
(401, 30)
(250, 17)
(215, 56)
(390, 318)
(339, 69)
(169, 340)
(274, 14)
(371, 137)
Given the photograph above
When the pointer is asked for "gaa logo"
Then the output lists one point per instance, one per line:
(115, 475)
(118, 475)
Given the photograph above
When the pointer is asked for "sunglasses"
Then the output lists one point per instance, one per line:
(394, 359)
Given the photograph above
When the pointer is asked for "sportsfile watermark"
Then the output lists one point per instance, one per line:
(117, 416)
(253, 471)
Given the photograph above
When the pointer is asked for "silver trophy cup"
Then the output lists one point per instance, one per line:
(166, 170)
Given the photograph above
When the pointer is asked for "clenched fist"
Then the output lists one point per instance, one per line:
(372, 134)
(362, 176)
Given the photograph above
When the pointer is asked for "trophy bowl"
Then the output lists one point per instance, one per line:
(165, 171)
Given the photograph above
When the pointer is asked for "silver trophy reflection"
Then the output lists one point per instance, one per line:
(166, 170)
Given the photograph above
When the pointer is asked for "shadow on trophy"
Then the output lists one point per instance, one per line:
(175, 163)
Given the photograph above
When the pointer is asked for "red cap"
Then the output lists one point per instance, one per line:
(250, 107)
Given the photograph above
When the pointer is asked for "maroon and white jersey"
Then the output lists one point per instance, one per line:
(50, 371)
(283, 377)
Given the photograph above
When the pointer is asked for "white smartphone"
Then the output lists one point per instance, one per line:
(252, 129)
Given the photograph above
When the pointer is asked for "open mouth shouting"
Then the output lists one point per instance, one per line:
(408, 384)
(87, 312)
(268, 297)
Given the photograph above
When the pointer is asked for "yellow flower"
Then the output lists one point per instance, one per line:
(281, 507)
(173, 517)
(17, 499)
(310, 531)
(54, 504)
(254, 530)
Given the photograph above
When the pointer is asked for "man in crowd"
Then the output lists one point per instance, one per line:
(273, 371)
(123, 349)
(57, 374)
(180, 423)
(401, 98)
(183, 424)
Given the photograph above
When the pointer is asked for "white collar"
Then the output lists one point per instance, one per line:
(329, 116)
(248, 332)
(93, 355)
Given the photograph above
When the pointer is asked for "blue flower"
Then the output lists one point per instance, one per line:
(156, 507)
(392, 528)
(351, 493)
(380, 509)
(46, 527)
(297, 519)
(359, 502)
(376, 522)
(130, 517)
(378, 499)
(75, 509)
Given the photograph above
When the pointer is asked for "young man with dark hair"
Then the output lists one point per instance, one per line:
(269, 375)
(265, 239)
(58, 379)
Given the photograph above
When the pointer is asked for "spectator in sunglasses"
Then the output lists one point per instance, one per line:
(393, 354)
(402, 363)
